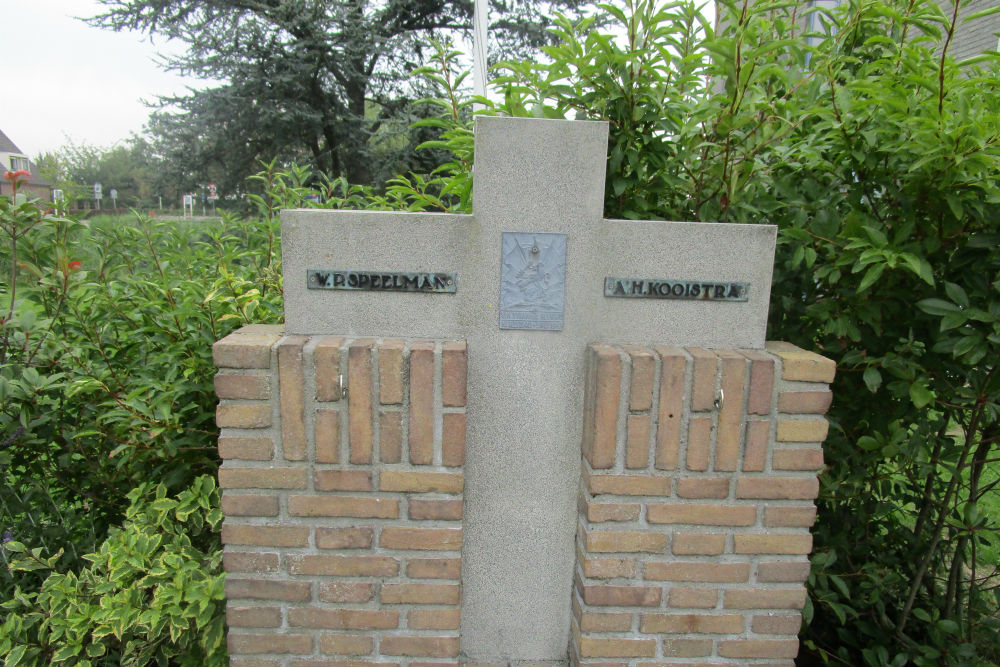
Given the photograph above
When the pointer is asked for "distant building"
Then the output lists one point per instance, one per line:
(13, 158)
(978, 35)
(971, 38)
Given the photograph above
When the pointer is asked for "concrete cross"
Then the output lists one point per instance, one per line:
(525, 397)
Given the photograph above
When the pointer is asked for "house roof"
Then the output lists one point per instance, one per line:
(8, 146)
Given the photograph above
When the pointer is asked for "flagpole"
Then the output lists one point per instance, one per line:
(480, 23)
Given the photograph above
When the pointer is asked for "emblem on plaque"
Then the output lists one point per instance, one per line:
(532, 281)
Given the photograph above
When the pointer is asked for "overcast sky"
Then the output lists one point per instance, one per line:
(63, 80)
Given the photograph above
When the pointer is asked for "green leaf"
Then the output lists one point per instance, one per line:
(920, 395)
(873, 274)
(936, 306)
(872, 378)
(957, 294)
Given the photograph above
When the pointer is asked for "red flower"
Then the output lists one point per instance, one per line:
(74, 265)
(15, 175)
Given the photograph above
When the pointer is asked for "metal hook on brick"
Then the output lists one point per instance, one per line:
(720, 400)
(343, 386)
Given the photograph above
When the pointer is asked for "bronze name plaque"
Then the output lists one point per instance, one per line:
(666, 288)
(382, 281)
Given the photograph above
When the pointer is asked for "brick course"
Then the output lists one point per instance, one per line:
(699, 468)
(343, 510)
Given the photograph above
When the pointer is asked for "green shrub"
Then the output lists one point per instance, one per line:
(106, 374)
(153, 592)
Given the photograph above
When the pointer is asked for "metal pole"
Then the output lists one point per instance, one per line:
(480, 25)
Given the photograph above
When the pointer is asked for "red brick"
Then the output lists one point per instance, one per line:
(626, 485)
(783, 572)
(702, 572)
(797, 458)
(249, 561)
(608, 568)
(730, 430)
(778, 488)
(343, 566)
(253, 617)
(292, 397)
(668, 433)
(698, 544)
(327, 436)
(344, 645)
(434, 568)
(243, 415)
(800, 365)
(421, 403)
(249, 387)
(605, 622)
(605, 541)
(804, 402)
(326, 356)
(621, 596)
(759, 648)
(797, 544)
(433, 619)
(758, 440)
(703, 383)
(591, 647)
(453, 439)
(780, 598)
(267, 536)
(421, 594)
(267, 589)
(359, 400)
(327, 505)
(761, 382)
(390, 430)
(427, 647)
(791, 517)
(703, 515)
(688, 624)
(346, 591)
(343, 619)
(421, 482)
(426, 539)
(640, 395)
(687, 597)
(343, 480)
(686, 648)
(777, 624)
(601, 512)
(699, 448)
(270, 643)
(601, 395)
(390, 372)
(637, 443)
(445, 510)
(249, 505)
(802, 430)
(248, 449)
(249, 347)
(454, 368)
(262, 478)
(703, 487)
(356, 537)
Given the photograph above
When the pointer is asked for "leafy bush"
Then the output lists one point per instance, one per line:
(153, 592)
(876, 155)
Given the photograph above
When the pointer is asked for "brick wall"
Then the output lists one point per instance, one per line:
(342, 483)
(343, 528)
(699, 472)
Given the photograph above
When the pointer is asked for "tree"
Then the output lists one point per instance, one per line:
(324, 81)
